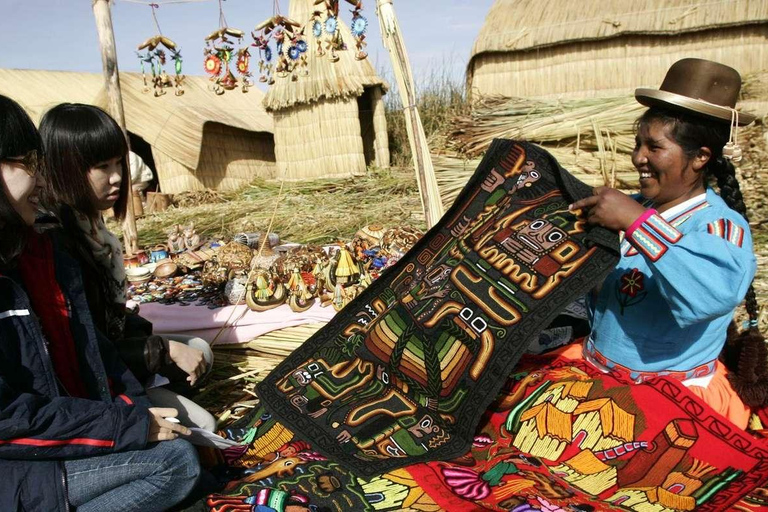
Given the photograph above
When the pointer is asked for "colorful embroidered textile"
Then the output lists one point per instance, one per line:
(561, 436)
(404, 373)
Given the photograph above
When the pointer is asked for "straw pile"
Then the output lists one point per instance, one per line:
(229, 391)
(591, 138)
(318, 211)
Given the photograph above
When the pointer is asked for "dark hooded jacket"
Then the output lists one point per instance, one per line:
(40, 426)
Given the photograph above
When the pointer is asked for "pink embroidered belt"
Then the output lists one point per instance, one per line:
(602, 363)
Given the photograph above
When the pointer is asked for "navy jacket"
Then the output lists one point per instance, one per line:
(40, 428)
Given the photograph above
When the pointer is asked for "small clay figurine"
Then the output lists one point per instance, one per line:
(175, 240)
(191, 238)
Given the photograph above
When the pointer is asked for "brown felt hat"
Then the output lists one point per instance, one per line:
(699, 86)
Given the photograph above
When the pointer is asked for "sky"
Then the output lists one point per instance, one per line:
(61, 34)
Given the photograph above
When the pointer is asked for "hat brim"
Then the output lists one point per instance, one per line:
(657, 98)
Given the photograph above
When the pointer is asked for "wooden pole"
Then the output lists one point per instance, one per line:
(103, 15)
(422, 161)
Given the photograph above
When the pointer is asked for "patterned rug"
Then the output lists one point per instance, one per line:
(559, 437)
(404, 373)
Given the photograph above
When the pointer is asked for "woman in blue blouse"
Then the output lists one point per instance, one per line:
(686, 259)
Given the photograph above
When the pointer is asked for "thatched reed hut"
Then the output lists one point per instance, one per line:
(562, 48)
(196, 141)
(330, 123)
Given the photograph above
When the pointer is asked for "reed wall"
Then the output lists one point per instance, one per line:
(612, 67)
(319, 140)
(230, 158)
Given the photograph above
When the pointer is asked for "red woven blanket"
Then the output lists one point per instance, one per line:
(560, 437)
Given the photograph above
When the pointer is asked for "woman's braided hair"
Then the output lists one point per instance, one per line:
(745, 354)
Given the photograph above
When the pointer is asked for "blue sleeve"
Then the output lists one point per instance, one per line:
(703, 274)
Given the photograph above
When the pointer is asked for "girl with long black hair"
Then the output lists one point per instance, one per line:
(86, 172)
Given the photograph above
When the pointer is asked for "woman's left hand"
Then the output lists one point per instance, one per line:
(189, 359)
(609, 208)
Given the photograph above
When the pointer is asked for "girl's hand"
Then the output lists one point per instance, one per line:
(189, 359)
(161, 429)
(609, 208)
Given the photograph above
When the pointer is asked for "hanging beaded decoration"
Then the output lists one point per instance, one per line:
(290, 48)
(325, 26)
(220, 50)
(154, 56)
(283, 46)
(359, 27)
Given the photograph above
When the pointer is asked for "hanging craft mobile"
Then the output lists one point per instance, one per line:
(155, 57)
(220, 50)
(290, 48)
(283, 46)
(325, 27)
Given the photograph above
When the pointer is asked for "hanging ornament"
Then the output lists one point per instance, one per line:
(289, 48)
(154, 56)
(221, 48)
(219, 52)
(359, 27)
(326, 27)
(283, 47)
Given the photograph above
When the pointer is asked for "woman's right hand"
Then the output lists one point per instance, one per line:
(161, 429)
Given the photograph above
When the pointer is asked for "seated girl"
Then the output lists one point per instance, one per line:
(86, 172)
(75, 426)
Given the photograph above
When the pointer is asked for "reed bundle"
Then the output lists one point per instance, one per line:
(317, 211)
(591, 124)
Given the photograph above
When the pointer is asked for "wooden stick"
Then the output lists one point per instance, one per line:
(101, 12)
(425, 172)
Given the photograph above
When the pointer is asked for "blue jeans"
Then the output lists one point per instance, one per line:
(156, 478)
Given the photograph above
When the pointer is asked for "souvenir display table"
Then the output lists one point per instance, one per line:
(245, 325)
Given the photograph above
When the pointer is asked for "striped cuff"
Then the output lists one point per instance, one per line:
(653, 236)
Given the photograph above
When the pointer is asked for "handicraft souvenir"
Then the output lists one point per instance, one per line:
(405, 372)
(301, 298)
(176, 240)
(265, 291)
(156, 51)
(253, 240)
(283, 43)
(219, 53)
(235, 288)
(158, 252)
(282, 48)
(191, 238)
(325, 27)
(221, 48)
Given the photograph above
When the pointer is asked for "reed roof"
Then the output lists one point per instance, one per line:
(523, 25)
(172, 124)
(326, 80)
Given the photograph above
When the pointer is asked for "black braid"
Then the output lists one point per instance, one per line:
(745, 354)
(730, 191)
